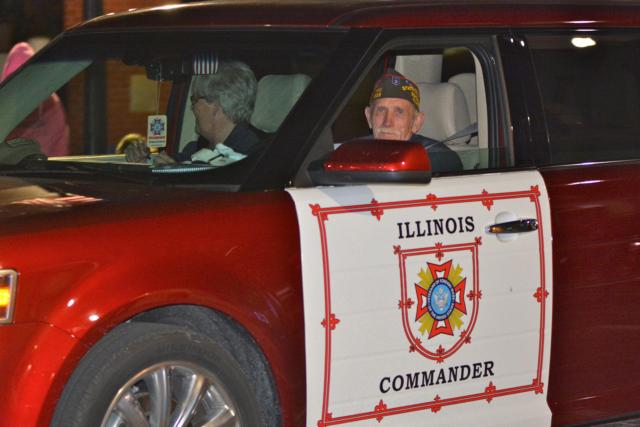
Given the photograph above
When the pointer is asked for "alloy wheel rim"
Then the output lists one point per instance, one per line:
(172, 394)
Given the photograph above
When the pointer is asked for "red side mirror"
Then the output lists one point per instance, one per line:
(369, 160)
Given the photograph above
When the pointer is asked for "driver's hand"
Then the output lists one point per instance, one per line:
(162, 158)
(137, 152)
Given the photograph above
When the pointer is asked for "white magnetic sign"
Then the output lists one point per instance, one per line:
(415, 314)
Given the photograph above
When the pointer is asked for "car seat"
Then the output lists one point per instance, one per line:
(444, 104)
(277, 94)
(445, 110)
(467, 83)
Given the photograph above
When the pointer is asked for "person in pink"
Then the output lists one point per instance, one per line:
(46, 125)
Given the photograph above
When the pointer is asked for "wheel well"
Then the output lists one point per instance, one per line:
(232, 336)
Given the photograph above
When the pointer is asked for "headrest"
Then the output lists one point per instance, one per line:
(420, 68)
(445, 110)
(467, 82)
(277, 94)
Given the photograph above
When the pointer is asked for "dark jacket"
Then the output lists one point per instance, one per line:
(443, 158)
(242, 139)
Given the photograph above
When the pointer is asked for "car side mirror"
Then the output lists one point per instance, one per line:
(373, 161)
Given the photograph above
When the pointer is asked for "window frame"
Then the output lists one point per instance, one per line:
(481, 42)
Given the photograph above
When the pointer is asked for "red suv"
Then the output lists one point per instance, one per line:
(260, 258)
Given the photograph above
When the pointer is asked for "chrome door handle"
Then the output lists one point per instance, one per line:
(517, 226)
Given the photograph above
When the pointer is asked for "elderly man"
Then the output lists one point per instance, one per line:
(394, 113)
(222, 104)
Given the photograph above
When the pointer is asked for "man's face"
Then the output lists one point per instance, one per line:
(204, 113)
(393, 118)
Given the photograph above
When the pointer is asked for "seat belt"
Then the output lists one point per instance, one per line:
(471, 130)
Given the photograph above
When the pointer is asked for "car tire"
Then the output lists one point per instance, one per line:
(148, 374)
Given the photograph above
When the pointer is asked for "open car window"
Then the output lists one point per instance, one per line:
(452, 98)
(112, 89)
(458, 117)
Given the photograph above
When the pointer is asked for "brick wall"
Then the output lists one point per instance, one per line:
(119, 120)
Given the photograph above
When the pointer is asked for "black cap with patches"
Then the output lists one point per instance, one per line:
(392, 84)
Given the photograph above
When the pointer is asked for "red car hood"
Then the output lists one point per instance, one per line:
(37, 204)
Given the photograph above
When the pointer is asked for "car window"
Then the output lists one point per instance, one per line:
(590, 88)
(453, 97)
(112, 89)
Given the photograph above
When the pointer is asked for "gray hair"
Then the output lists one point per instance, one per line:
(233, 87)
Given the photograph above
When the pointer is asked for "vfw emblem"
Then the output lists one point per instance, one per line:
(439, 298)
(440, 306)
(156, 127)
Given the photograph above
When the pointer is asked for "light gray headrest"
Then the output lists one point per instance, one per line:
(277, 94)
(467, 82)
(445, 110)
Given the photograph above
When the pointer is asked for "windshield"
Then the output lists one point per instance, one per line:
(179, 102)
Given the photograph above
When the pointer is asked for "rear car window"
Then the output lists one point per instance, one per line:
(590, 89)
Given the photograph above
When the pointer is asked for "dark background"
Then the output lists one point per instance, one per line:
(22, 19)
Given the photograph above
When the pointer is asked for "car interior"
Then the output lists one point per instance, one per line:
(276, 95)
(454, 105)
(450, 80)
(453, 99)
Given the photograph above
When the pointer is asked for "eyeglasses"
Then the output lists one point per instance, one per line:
(195, 99)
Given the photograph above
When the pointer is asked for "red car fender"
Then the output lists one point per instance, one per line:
(37, 377)
(252, 274)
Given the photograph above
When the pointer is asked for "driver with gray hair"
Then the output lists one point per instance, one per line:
(222, 104)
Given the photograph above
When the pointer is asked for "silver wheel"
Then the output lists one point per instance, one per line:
(172, 394)
(160, 375)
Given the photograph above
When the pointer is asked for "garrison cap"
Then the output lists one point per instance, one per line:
(392, 84)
